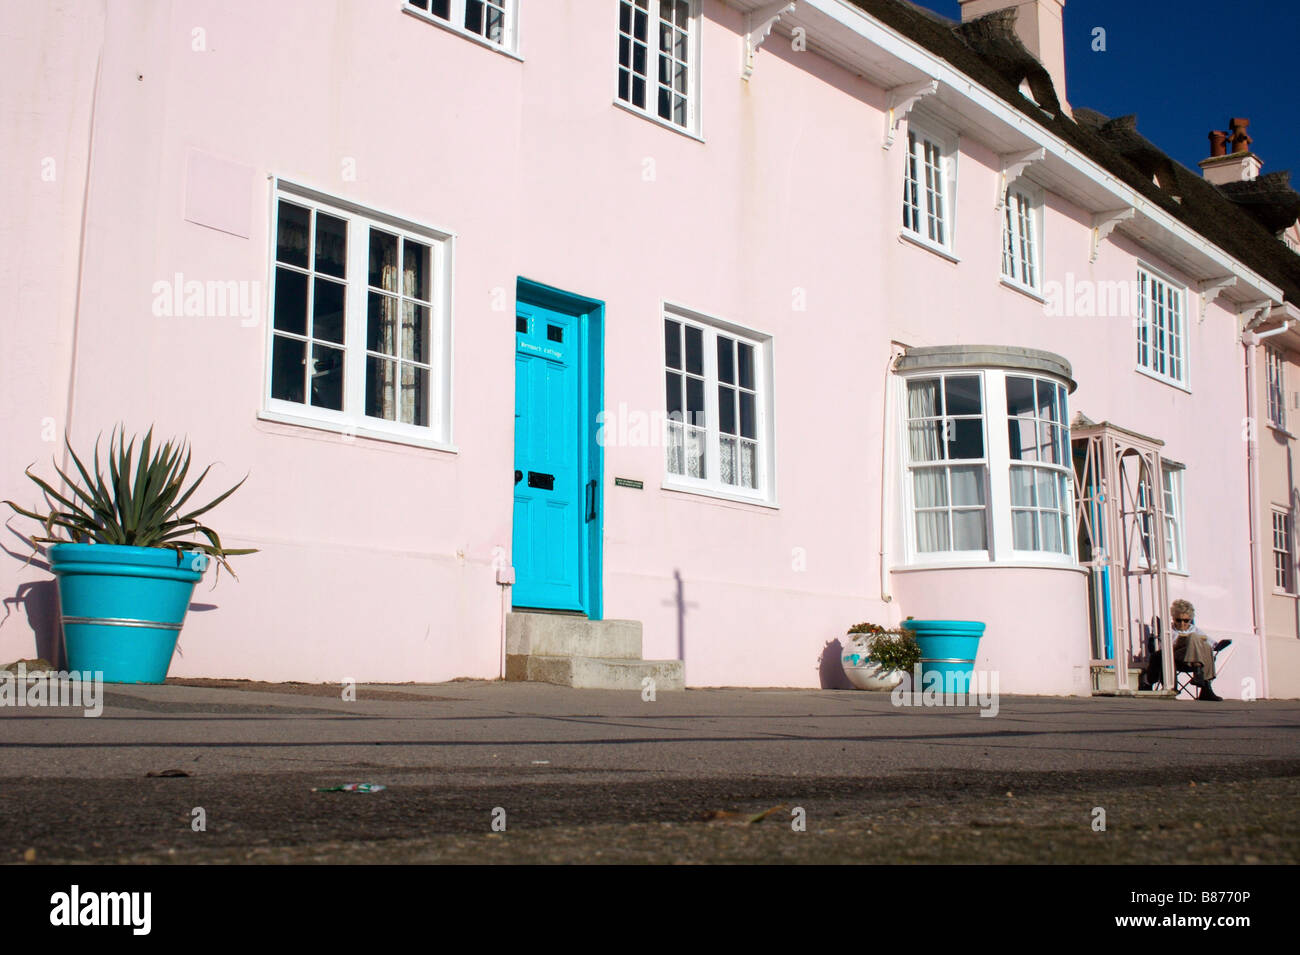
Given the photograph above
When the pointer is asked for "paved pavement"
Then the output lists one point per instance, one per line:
(593, 775)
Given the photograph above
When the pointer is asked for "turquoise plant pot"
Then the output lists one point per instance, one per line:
(123, 607)
(948, 647)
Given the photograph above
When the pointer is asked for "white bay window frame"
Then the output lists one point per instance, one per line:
(996, 464)
(352, 418)
(709, 428)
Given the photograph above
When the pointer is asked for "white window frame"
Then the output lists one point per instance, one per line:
(693, 126)
(997, 464)
(917, 219)
(508, 42)
(1022, 236)
(1283, 551)
(1171, 480)
(764, 491)
(1155, 354)
(1275, 385)
(352, 419)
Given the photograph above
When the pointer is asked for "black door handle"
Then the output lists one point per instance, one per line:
(591, 498)
(519, 476)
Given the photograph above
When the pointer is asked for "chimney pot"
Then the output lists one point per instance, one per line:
(1218, 143)
(1240, 138)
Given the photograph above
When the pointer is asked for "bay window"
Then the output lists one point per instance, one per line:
(988, 473)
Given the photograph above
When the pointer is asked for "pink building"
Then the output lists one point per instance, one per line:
(611, 309)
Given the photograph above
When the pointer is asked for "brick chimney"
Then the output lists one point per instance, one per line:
(1040, 26)
(1231, 159)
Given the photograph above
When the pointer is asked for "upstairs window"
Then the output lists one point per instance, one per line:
(1282, 557)
(1021, 237)
(929, 186)
(490, 21)
(657, 59)
(1274, 365)
(1161, 335)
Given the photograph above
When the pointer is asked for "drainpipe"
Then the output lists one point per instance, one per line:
(886, 475)
(1250, 340)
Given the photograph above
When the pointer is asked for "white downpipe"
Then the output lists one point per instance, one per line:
(886, 476)
(1249, 340)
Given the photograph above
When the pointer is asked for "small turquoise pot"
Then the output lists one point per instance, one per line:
(123, 607)
(948, 647)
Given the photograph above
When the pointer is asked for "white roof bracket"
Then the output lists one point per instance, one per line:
(1013, 167)
(758, 26)
(901, 100)
(1103, 224)
(1255, 314)
(1210, 289)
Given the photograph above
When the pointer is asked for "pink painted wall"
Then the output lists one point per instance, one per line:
(376, 557)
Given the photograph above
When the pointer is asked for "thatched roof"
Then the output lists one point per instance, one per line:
(983, 52)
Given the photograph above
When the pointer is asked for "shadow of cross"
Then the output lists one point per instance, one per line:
(681, 603)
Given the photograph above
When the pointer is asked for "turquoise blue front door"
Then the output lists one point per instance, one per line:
(553, 496)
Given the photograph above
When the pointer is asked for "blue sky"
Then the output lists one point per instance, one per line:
(1185, 69)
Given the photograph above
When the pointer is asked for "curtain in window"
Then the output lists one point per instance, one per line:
(386, 377)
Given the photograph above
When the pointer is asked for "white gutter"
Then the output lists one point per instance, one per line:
(874, 32)
(887, 478)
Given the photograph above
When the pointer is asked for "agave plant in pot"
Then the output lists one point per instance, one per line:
(876, 657)
(130, 556)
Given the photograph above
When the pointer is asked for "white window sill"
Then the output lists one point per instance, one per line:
(1023, 290)
(452, 28)
(347, 431)
(653, 118)
(988, 565)
(1176, 572)
(717, 494)
(1154, 376)
(906, 235)
(1283, 593)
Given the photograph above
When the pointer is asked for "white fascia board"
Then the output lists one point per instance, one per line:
(1062, 156)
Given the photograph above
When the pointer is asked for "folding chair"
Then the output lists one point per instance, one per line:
(1183, 673)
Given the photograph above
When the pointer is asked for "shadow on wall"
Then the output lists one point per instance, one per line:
(830, 669)
(39, 600)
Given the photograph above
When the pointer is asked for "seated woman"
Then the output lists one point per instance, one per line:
(1192, 653)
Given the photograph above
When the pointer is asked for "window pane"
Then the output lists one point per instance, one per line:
(727, 464)
(930, 487)
(381, 388)
(726, 360)
(694, 350)
(748, 464)
(695, 400)
(969, 531)
(1047, 401)
(1024, 530)
(923, 398)
(1023, 439)
(383, 260)
(415, 332)
(327, 311)
(290, 301)
(673, 386)
(415, 274)
(932, 531)
(726, 409)
(967, 438)
(327, 377)
(963, 394)
(381, 323)
(1020, 395)
(967, 486)
(923, 438)
(291, 234)
(1051, 530)
(331, 245)
(288, 358)
(1047, 488)
(415, 392)
(746, 355)
(673, 344)
(748, 415)
(1022, 487)
(695, 453)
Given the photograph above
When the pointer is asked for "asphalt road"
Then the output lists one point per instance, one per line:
(603, 776)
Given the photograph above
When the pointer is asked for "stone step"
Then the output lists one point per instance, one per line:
(567, 635)
(596, 673)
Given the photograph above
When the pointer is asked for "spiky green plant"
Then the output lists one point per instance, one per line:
(141, 511)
